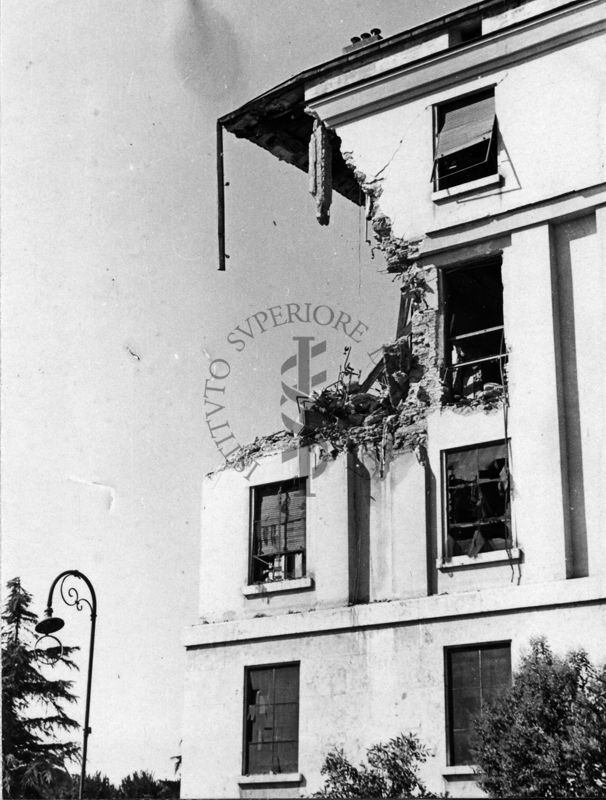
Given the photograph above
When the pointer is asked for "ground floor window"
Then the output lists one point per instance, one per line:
(474, 675)
(271, 727)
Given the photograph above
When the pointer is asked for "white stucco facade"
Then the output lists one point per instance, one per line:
(381, 601)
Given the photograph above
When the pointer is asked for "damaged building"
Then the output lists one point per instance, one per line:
(459, 507)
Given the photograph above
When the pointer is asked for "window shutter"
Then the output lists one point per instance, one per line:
(295, 530)
(271, 513)
(465, 126)
(280, 524)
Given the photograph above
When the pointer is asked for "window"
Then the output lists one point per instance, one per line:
(278, 532)
(466, 140)
(271, 725)
(465, 32)
(474, 676)
(477, 500)
(475, 342)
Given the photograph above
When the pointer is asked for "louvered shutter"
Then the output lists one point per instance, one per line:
(280, 522)
(295, 530)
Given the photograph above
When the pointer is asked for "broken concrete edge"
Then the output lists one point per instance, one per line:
(412, 385)
(380, 442)
(261, 446)
(402, 261)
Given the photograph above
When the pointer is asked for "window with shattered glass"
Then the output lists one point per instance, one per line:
(272, 719)
(278, 531)
(478, 518)
(475, 339)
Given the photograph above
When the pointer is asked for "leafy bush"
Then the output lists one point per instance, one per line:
(391, 771)
(546, 737)
(96, 787)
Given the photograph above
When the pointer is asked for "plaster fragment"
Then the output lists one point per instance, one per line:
(111, 493)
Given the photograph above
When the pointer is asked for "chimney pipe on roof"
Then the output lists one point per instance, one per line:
(364, 39)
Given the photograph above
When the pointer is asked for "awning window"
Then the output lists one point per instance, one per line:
(465, 143)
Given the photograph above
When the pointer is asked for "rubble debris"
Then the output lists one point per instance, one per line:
(399, 253)
(381, 414)
(386, 412)
(490, 398)
(420, 322)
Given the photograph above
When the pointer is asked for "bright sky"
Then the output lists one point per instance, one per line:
(112, 307)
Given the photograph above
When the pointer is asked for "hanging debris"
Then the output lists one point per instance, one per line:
(320, 171)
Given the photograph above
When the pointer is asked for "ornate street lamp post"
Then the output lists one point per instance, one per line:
(50, 625)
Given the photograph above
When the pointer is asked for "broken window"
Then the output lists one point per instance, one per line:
(271, 725)
(465, 141)
(278, 531)
(477, 500)
(474, 676)
(475, 343)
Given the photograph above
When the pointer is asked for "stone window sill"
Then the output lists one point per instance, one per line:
(296, 585)
(270, 777)
(460, 769)
(463, 188)
(461, 562)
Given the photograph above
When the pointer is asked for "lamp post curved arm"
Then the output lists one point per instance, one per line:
(50, 625)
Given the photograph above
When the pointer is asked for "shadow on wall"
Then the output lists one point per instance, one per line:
(565, 333)
(514, 180)
(431, 537)
(206, 51)
(359, 530)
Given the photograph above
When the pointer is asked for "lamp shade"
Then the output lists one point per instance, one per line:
(49, 625)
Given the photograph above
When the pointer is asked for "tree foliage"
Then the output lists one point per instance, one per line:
(96, 787)
(546, 737)
(34, 755)
(391, 771)
(137, 785)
